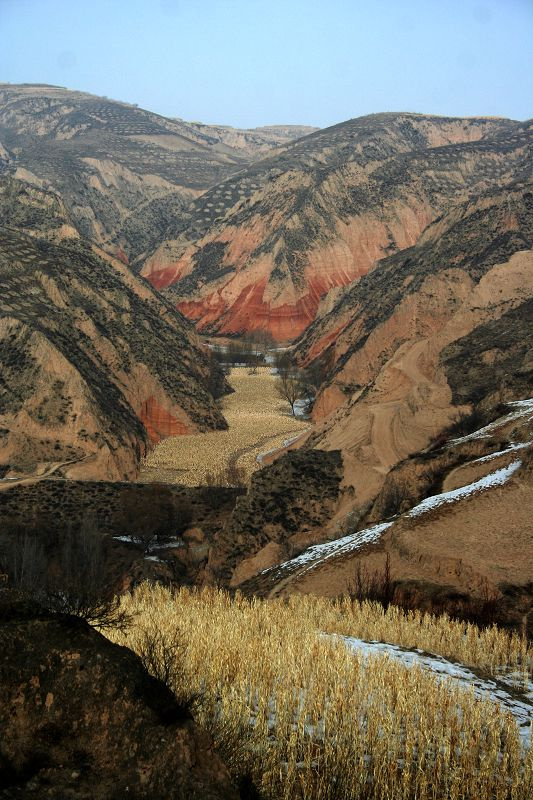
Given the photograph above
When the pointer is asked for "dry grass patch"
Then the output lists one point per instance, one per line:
(258, 421)
(310, 720)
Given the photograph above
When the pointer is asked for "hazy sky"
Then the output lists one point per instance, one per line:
(255, 62)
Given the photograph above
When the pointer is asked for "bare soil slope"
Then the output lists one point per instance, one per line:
(430, 333)
(261, 249)
(94, 365)
(455, 524)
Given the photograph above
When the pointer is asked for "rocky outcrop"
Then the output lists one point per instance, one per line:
(261, 249)
(94, 364)
(124, 173)
(81, 718)
(284, 511)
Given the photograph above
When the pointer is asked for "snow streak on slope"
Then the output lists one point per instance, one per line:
(523, 408)
(315, 556)
(319, 553)
(495, 689)
(497, 478)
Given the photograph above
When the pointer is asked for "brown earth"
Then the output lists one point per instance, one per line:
(411, 327)
(285, 509)
(479, 547)
(94, 365)
(439, 331)
(261, 249)
(81, 718)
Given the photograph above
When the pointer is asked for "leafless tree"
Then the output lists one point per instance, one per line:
(155, 523)
(231, 475)
(289, 388)
(68, 576)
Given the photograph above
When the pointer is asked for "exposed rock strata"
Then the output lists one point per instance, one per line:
(261, 249)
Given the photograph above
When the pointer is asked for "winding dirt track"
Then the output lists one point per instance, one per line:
(27, 481)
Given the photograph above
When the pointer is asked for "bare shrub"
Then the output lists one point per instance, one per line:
(289, 388)
(24, 561)
(69, 578)
(160, 653)
(377, 585)
(154, 524)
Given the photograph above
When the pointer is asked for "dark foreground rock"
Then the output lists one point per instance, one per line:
(81, 718)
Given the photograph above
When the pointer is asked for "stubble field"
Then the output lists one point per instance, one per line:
(259, 421)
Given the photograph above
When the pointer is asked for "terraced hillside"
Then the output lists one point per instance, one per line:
(124, 173)
(260, 249)
(452, 526)
(430, 333)
(93, 363)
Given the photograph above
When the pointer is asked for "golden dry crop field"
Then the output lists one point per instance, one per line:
(259, 420)
(308, 719)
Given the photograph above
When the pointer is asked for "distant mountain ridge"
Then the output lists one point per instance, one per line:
(262, 248)
(126, 174)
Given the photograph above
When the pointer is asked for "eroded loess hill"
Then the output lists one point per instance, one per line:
(261, 249)
(452, 526)
(124, 173)
(428, 334)
(93, 364)
(437, 332)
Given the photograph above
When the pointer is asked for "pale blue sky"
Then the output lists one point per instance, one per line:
(253, 62)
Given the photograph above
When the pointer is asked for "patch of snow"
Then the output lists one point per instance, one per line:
(492, 456)
(523, 409)
(167, 545)
(299, 408)
(153, 558)
(286, 442)
(155, 545)
(497, 478)
(521, 709)
(319, 553)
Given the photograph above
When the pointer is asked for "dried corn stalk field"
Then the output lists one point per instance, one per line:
(258, 421)
(309, 720)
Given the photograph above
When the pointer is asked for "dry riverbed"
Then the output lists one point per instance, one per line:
(258, 421)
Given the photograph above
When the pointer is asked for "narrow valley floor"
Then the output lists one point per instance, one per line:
(259, 421)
